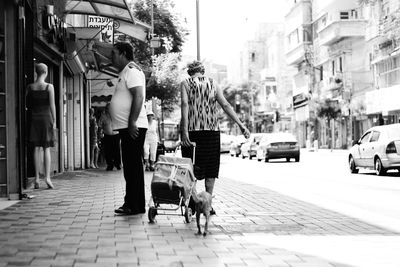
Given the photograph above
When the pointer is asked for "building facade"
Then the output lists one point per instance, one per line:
(298, 48)
(34, 31)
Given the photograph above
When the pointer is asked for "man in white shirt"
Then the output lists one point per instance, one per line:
(129, 118)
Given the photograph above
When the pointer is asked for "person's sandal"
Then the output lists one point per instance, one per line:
(49, 185)
(36, 186)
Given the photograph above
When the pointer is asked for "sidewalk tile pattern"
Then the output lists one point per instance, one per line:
(75, 225)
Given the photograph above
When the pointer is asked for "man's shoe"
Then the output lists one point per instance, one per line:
(109, 168)
(118, 167)
(124, 210)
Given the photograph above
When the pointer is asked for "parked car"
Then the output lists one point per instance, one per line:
(226, 141)
(250, 147)
(377, 149)
(278, 145)
(236, 145)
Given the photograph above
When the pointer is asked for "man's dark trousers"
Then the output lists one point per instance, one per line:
(112, 150)
(132, 159)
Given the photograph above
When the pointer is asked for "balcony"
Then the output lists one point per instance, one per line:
(340, 29)
(296, 54)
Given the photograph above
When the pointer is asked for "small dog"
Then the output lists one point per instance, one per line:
(203, 205)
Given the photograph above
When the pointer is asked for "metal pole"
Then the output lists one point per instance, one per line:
(198, 28)
(152, 26)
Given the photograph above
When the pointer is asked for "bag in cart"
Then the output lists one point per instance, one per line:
(173, 183)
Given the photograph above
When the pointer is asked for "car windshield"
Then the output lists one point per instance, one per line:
(393, 133)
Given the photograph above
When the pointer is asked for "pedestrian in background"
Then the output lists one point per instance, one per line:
(129, 118)
(199, 122)
(40, 101)
(150, 143)
(94, 147)
(110, 141)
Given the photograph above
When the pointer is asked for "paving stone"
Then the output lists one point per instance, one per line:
(75, 225)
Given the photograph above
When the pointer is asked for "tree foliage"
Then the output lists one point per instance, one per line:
(167, 25)
(245, 98)
(164, 80)
(328, 109)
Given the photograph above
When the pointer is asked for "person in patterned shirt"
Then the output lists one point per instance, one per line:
(200, 125)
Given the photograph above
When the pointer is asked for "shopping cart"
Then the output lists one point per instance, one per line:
(172, 184)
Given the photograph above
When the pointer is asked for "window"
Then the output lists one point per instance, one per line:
(294, 37)
(365, 138)
(340, 64)
(321, 73)
(253, 57)
(370, 61)
(344, 15)
(333, 67)
(375, 136)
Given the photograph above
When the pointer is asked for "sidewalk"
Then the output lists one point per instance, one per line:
(75, 225)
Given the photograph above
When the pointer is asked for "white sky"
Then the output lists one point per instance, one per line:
(225, 25)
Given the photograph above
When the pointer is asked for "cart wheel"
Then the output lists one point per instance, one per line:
(152, 214)
(188, 214)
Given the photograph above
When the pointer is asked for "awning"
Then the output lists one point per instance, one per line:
(101, 84)
(118, 10)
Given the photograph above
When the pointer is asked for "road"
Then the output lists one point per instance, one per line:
(322, 178)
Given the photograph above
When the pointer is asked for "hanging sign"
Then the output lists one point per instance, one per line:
(107, 33)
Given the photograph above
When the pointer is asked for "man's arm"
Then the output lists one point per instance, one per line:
(136, 107)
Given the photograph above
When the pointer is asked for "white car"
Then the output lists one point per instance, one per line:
(236, 145)
(226, 141)
(250, 147)
(378, 149)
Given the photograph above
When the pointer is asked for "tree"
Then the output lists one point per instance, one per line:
(328, 109)
(245, 98)
(164, 80)
(167, 25)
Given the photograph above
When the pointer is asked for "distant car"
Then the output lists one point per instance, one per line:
(235, 146)
(377, 149)
(171, 138)
(226, 141)
(278, 145)
(250, 147)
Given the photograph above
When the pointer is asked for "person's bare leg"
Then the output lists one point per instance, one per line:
(96, 157)
(36, 159)
(209, 184)
(92, 150)
(47, 162)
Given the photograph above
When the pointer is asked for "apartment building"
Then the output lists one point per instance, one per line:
(298, 49)
(382, 105)
(342, 66)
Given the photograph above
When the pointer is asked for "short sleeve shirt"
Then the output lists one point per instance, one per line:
(121, 102)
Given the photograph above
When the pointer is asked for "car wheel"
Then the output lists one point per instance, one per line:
(243, 156)
(250, 157)
(266, 159)
(379, 169)
(352, 165)
(259, 160)
(297, 159)
(287, 159)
